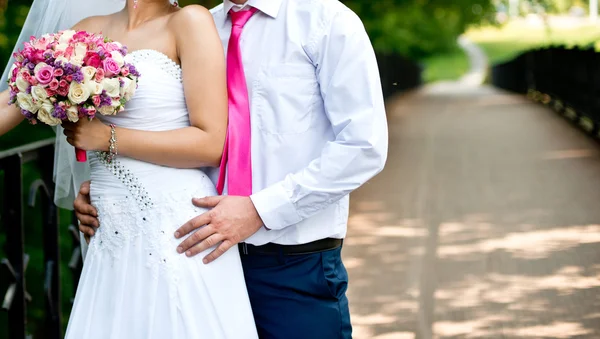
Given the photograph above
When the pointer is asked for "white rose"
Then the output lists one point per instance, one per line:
(73, 114)
(118, 57)
(61, 47)
(25, 101)
(80, 49)
(39, 66)
(77, 60)
(66, 36)
(128, 89)
(78, 93)
(111, 86)
(21, 83)
(45, 114)
(107, 110)
(93, 86)
(39, 93)
(88, 73)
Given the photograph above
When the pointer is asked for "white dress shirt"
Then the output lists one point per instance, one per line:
(319, 127)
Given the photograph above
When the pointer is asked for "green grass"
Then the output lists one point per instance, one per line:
(448, 66)
(504, 43)
(23, 134)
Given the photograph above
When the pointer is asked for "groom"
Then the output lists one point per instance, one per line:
(307, 127)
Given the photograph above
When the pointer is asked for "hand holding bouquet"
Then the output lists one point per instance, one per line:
(69, 76)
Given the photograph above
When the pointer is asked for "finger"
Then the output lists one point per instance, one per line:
(209, 242)
(87, 230)
(68, 133)
(87, 238)
(196, 238)
(201, 220)
(84, 189)
(207, 202)
(71, 141)
(87, 219)
(67, 125)
(82, 206)
(219, 251)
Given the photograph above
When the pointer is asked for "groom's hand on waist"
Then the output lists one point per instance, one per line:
(231, 220)
(85, 212)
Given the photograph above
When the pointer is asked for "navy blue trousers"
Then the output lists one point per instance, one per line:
(299, 296)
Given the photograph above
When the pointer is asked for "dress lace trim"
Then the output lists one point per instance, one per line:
(137, 190)
(159, 59)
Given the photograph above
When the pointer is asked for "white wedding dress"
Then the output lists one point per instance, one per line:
(134, 284)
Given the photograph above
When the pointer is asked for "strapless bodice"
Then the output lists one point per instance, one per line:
(158, 105)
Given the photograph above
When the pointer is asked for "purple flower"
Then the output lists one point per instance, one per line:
(101, 53)
(28, 115)
(59, 112)
(105, 100)
(134, 71)
(78, 76)
(31, 66)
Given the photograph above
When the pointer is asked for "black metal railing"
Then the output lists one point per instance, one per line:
(568, 79)
(398, 73)
(14, 265)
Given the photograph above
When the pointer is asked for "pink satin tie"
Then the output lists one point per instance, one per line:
(237, 161)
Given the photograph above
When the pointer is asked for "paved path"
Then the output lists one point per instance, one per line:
(478, 60)
(484, 224)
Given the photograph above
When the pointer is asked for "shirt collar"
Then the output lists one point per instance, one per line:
(269, 7)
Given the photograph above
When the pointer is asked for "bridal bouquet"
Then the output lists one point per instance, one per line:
(71, 75)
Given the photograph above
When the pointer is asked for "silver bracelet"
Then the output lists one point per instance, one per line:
(112, 146)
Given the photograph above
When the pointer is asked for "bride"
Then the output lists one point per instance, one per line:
(134, 284)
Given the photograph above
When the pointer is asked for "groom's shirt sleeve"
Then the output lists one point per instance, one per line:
(351, 89)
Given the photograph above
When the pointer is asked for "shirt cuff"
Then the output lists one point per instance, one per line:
(275, 207)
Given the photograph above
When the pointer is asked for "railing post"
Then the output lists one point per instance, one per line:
(53, 326)
(16, 261)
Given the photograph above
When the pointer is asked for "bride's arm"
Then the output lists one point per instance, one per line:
(10, 116)
(203, 64)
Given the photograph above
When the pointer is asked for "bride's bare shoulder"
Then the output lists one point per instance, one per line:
(192, 16)
(93, 24)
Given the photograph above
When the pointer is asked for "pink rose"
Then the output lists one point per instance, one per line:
(69, 78)
(58, 72)
(45, 75)
(99, 74)
(51, 92)
(34, 55)
(91, 111)
(15, 71)
(41, 43)
(53, 84)
(111, 47)
(97, 100)
(125, 71)
(63, 91)
(92, 59)
(33, 81)
(69, 52)
(63, 84)
(110, 67)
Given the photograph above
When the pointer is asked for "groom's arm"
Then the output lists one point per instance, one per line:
(351, 89)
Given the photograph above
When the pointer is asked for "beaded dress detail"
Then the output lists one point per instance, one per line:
(134, 284)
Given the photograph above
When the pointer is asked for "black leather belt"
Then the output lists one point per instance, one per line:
(276, 249)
